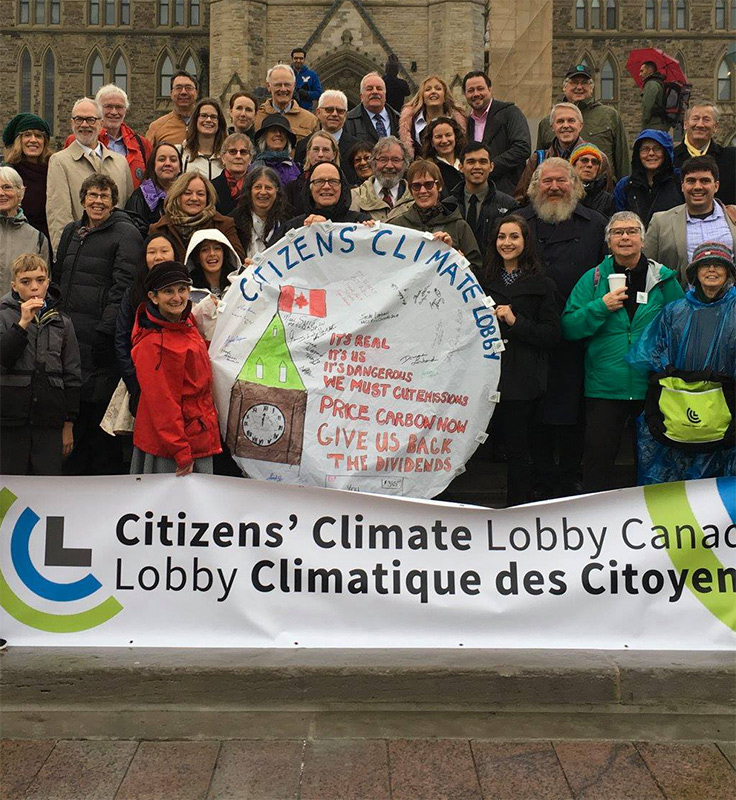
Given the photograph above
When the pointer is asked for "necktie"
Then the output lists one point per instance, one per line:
(96, 161)
(387, 199)
(380, 127)
(472, 219)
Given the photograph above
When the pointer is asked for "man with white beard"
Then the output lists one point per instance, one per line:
(570, 239)
(386, 195)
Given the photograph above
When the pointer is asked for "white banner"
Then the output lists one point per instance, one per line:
(356, 358)
(221, 562)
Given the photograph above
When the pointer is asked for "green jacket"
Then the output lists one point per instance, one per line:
(603, 127)
(449, 220)
(610, 334)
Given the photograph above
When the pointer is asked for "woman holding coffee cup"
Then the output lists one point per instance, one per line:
(609, 308)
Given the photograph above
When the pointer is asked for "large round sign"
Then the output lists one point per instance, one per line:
(356, 358)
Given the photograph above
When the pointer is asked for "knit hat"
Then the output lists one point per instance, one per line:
(167, 273)
(275, 121)
(586, 149)
(711, 253)
(24, 122)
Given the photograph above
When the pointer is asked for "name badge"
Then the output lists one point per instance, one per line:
(642, 297)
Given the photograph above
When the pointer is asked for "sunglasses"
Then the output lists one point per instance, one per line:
(418, 185)
(234, 151)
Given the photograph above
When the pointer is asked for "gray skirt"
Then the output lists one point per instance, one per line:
(147, 464)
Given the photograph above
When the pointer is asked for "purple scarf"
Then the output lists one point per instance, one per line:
(152, 194)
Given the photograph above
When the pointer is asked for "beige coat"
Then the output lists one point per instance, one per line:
(366, 200)
(68, 170)
(666, 239)
(303, 123)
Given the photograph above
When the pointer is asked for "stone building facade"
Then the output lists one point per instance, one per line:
(53, 51)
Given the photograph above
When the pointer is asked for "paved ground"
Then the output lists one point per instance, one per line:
(366, 769)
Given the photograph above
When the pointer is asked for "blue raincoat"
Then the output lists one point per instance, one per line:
(689, 335)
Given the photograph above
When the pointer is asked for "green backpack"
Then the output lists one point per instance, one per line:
(692, 411)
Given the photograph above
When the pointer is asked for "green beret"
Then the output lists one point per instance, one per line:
(23, 122)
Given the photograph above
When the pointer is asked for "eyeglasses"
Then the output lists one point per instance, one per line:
(186, 87)
(234, 151)
(389, 160)
(616, 232)
(361, 159)
(113, 107)
(208, 116)
(98, 196)
(589, 160)
(318, 183)
(88, 120)
(419, 185)
(334, 110)
(654, 148)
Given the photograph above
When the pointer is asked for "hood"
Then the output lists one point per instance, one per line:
(662, 138)
(231, 260)
(450, 213)
(17, 220)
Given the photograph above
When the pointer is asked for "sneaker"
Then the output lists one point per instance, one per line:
(3, 644)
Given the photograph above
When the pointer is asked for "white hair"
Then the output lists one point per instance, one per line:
(109, 89)
(333, 95)
(704, 104)
(9, 174)
(88, 100)
(365, 78)
(281, 66)
(567, 107)
(624, 216)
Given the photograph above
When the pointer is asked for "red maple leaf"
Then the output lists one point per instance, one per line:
(301, 301)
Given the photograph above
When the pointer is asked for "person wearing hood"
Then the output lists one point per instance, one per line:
(443, 219)
(176, 428)
(40, 373)
(275, 142)
(695, 333)
(602, 124)
(326, 196)
(17, 236)
(477, 197)
(652, 98)
(654, 183)
(586, 159)
(95, 264)
(609, 308)
(211, 261)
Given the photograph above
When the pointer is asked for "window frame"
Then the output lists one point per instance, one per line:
(48, 99)
(25, 81)
(109, 13)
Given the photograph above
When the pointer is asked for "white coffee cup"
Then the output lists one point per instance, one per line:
(616, 280)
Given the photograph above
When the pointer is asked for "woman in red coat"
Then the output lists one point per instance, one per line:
(176, 426)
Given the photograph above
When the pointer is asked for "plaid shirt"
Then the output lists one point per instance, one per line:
(713, 228)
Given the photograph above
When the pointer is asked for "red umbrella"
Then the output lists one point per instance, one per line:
(668, 66)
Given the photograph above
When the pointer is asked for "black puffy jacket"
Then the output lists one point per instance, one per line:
(39, 367)
(93, 271)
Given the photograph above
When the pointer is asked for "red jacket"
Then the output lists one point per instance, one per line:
(176, 414)
(138, 147)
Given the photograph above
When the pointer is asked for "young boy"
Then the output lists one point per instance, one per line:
(40, 373)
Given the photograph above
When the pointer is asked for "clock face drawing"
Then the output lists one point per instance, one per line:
(264, 424)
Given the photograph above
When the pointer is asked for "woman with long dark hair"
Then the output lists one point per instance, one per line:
(202, 145)
(263, 208)
(529, 323)
(443, 141)
(162, 169)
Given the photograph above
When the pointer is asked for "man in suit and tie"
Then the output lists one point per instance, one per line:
(372, 119)
(673, 235)
(501, 126)
(69, 167)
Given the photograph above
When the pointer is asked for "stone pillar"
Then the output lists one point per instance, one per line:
(454, 39)
(237, 46)
(521, 54)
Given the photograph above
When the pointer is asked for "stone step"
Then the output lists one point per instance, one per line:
(269, 694)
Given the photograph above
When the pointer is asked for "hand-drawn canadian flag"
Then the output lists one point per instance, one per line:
(311, 302)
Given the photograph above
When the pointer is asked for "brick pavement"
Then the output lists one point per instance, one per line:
(366, 769)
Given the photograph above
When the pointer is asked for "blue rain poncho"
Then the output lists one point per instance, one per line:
(689, 335)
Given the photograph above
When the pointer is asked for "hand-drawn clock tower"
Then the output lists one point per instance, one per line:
(268, 402)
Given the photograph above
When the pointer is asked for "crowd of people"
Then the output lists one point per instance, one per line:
(612, 270)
